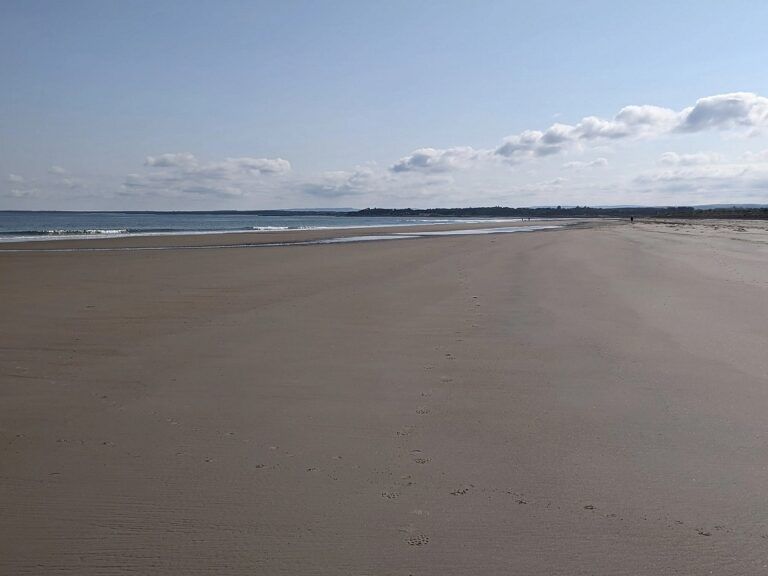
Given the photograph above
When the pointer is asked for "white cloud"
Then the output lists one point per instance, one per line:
(756, 157)
(533, 143)
(370, 185)
(19, 187)
(49, 185)
(579, 165)
(738, 110)
(438, 160)
(705, 182)
(179, 159)
(630, 122)
(698, 158)
(260, 165)
(724, 111)
(361, 180)
(189, 163)
(179, 174)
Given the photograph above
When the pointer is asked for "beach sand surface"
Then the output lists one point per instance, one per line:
(572, 402)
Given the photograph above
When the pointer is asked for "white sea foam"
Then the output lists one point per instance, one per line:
(86, 232)
(477, 231)
(372, 237)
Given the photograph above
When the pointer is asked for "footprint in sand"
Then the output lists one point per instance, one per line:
(422, 411)
(461, 491)
(418, 540)
(519, 498)
(390, 495)
(421, 460)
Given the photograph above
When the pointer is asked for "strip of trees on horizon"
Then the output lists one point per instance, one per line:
(734, 212)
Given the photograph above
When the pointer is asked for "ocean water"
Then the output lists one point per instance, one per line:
(47, 225)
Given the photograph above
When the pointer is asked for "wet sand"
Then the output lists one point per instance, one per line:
(580, 401)
(235, 239)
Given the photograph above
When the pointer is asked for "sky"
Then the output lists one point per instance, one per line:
(171, 105)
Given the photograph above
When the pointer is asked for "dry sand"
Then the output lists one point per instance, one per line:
(584, 401)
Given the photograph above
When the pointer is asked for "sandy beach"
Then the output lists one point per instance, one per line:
(582, 401)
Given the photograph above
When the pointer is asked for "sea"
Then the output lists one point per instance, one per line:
(22, 225)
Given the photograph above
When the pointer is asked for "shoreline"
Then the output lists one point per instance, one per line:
(128, 233)
(239, 238)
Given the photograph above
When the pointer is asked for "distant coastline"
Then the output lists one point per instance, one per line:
(738, 212)
(712, 211)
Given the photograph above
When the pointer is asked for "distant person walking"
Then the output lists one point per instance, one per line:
(631, 219)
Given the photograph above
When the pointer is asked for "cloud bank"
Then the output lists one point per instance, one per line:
(562, 163)
(183, 174)
(737, 110)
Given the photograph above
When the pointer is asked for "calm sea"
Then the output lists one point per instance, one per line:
(31, 225)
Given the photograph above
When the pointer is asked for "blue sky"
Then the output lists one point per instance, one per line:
(195, 105)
